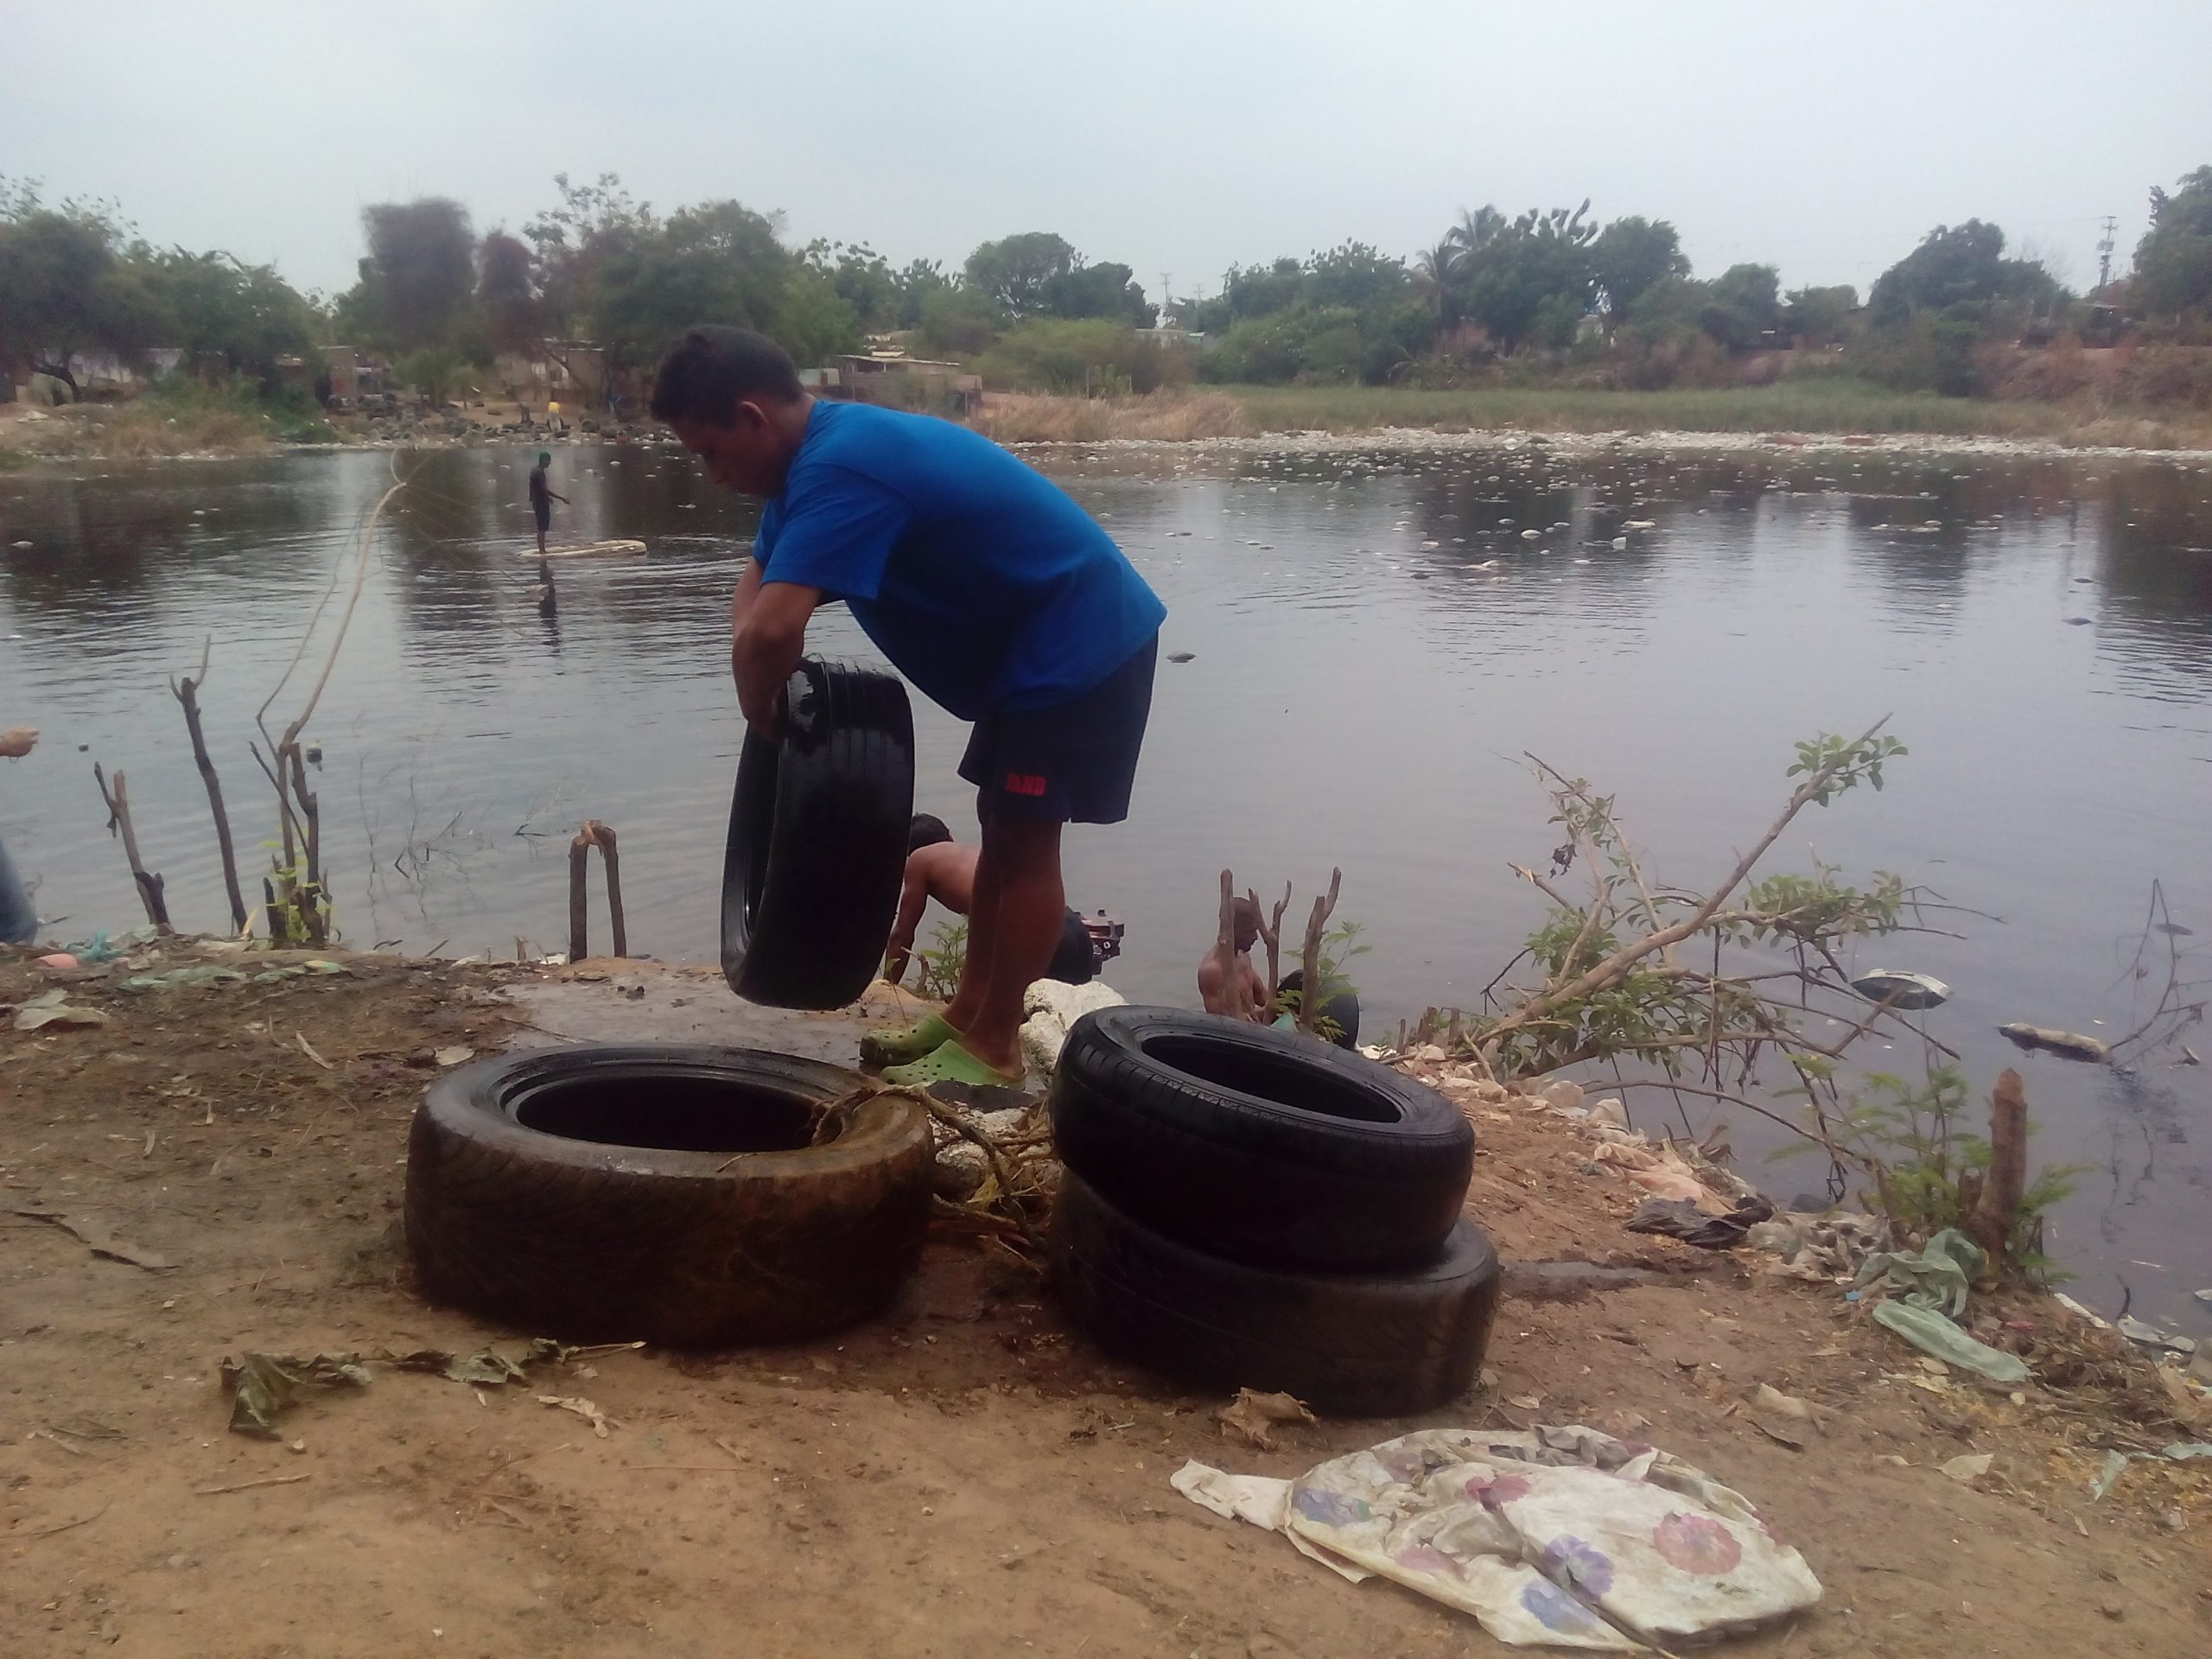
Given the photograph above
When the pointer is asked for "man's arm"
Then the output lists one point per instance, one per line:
(562, 499)
(767, 634)
(913, 898)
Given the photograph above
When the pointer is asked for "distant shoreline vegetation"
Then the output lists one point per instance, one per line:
(1548, 301)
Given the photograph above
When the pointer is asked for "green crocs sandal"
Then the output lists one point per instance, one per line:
(883, 1048)
(949, 1063)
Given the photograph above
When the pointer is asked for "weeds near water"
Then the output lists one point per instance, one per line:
(941, 962)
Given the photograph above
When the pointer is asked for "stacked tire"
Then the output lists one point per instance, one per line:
(1246, 1207)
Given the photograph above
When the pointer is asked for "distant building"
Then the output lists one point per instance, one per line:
(894, 378)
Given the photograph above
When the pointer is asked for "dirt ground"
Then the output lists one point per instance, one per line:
(967, 1477)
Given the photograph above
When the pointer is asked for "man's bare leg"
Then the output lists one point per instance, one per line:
(1013, 931)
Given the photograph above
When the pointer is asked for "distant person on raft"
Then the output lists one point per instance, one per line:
(988, 589)
(542, 498)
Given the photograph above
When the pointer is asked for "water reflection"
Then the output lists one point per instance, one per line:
(1378, 639)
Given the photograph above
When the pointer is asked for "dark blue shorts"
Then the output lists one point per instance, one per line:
(545, 511)
(1074, 762)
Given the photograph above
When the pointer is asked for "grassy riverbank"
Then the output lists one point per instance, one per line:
(179, 419)
(1808, 404)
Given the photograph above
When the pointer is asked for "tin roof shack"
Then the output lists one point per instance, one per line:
(898, 381)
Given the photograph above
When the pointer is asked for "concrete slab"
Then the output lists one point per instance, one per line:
(612, 1000)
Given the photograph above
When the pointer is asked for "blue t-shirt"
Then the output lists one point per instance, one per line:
(974, 573)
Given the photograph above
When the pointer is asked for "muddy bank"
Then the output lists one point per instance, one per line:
(966, 1475)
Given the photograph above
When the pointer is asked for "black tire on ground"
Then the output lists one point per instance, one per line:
(818, 840)
(1341, 1010)
(1351, 1344)
(1074, 960)
(1264, 1145)
(595, 1194)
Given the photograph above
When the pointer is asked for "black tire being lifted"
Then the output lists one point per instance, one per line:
(1341, 1010)
(818, 840)
(1352, 1344)
(1260, 1144)
(664, 1192)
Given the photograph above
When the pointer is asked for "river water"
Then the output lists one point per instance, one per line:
(1376, 647)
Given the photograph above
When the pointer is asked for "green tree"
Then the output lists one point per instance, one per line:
(1014, 270)
(1820, 316)
(1959, 265)
(1436, 280)
(1533, 281)
(812, 320)
(957, 321)
(713, 262)
(64, 288)
(1354, 274)
(912, 288)
(1632, 254)
(2173, 261)
(245, 316)
(1104, 290)
(1741, 304)
(420, 269)
(862, 277)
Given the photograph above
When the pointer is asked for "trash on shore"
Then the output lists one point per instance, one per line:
(1556, 1537)
(1935, 1334)
(1674, 1218)
(1898, 989)
(265, 1386)
(2066, 1045)
(1252, 1416)
(1938, 1276)
(54, 1008)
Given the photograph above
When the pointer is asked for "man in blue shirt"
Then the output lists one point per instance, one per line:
(990, 589)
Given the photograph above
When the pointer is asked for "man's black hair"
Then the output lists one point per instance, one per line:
(926, 830)
(712, 369)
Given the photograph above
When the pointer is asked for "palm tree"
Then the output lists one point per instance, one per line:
(1435, 270)
(1476, 228)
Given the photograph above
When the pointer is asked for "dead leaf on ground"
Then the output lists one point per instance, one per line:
(95, 1237)
(263, 1386)
(308, 1049)
(583, 1408)
(486, 1367)
(1253, 1416)
(458, 1055)
(1968, 1469)
(1782, 1417)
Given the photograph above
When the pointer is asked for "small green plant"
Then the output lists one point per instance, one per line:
(1923, 1168)
(942, 961)
(1338, 946)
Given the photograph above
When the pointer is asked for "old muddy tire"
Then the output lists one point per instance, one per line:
(663, 1193)
(1365, 1344)
(1260, 1144)
(818, 840)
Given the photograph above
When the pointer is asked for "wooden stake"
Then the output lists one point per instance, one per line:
(1234, 991)
(1998, 1202)
(1310, 990)
(118, 820)
(186, 693)
(592, 833)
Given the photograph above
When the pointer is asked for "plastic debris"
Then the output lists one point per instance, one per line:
(1932, 1333)
(2183, 1450)
(2148, 1335)
(1561, 1536)
(1899, 990)
(458, 1055)
(54, 1008)
(1672, 1218)
(1252, 1416)
(2066, 1045)
(1938, 1276)
(199, 973)
(2114, 1462)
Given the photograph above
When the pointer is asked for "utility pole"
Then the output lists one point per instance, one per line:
(2110, 225)
(1166, 304)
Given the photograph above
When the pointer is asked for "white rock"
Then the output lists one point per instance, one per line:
(1610, 1112)
(1052, 1008)
(1430, 1051)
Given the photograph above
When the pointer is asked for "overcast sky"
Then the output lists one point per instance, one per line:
(1823, 139)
